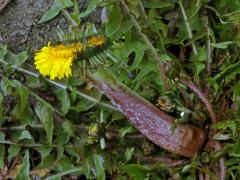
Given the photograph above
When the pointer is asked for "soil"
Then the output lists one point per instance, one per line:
(19, 26)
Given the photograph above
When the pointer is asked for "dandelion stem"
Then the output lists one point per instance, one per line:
(21, 127)
(27, 145)
(209, 48)
(70, 171)
(188, 27)
(62, 86)
(143, 10)
(203, 98)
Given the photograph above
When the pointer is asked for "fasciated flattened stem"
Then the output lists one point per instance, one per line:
(157, 126)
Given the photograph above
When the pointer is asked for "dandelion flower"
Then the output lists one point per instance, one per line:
(56, 61)
(96, 41)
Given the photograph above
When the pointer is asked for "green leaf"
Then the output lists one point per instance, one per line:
(102, 143)
(13, 151)
(6, 86)
(75, 15)
(55, 9)
(217, 14)
(45, 115)
(1, 110)
(20, 135)
(165, 57)
(195, 6)
(99, 161)
(114, 20)
(200, 67)
(148, 68)
(117, 116)
(84, 104)
(223, 125)
(60, 151)
(21, 58)
(2, 136)
(69, 128)
(202, 54)
(23, 172)
(65, 3)
(44, 151)
(2, 155)
(87, 166)
(17, 59)
(64, 164)
(25, 117)
(236, 92)
(61, 140)
(73, 94)
(155, 4)
(23, 93)
(139, 49)
(186, 168)
(136, 171)
(123, 131)
(48, 161)
(128, 154)
(3, 51)
(110, 161)
(91, 7)
(73, 151)
(64, 99)
(221, 45)
(231, 69)
(25, 135)
(50, 14)
(32, 82)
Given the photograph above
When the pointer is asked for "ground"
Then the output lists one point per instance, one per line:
(20, 28)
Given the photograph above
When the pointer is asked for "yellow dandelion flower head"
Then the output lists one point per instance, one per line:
(99, 40)
(56, 61)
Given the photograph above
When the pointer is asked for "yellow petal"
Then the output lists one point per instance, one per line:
(56, 61)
